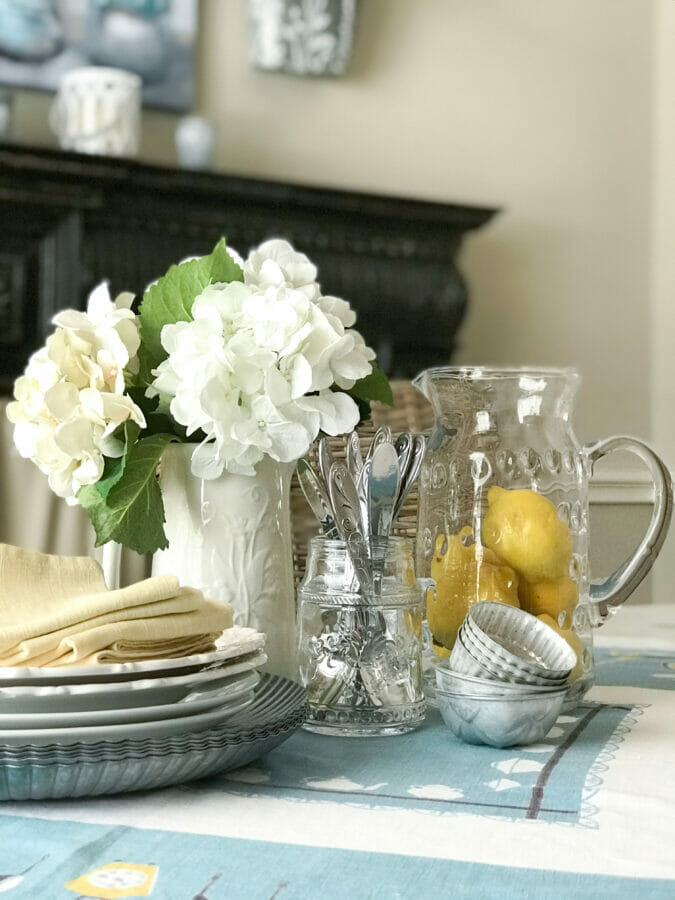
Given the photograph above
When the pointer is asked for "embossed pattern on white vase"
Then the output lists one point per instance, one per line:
(230, 537)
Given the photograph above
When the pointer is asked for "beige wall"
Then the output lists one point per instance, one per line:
(663, 267)
(542, 108)
(546, 108)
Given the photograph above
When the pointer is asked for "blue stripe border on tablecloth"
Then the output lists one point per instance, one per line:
(194, 866)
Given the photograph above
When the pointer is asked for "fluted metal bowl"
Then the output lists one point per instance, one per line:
(513, 639)
(469, 657)
(500, 721)
(450, 680)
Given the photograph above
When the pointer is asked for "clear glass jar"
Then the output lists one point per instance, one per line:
(360, 653)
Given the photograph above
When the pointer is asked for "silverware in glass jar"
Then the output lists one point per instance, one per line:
(360, 605)
(360, 652)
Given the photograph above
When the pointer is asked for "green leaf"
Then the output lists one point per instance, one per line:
(125, 505)
(364, 409)
(93, 495)
(157, 416)
(158, 419)
(147, 404)
(373, 387)
(170, 300)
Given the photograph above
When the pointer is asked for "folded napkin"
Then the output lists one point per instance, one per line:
(57, 611)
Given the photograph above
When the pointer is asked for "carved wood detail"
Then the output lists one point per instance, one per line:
(72, 220)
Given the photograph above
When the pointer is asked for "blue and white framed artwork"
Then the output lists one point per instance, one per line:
(40, 40)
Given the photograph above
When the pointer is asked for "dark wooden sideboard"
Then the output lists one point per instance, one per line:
(67, 221)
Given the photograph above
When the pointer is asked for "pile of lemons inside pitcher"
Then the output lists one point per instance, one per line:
(522, 557)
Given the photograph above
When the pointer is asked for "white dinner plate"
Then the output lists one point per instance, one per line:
(135, 731)
(81, 697)
(196, 702)
(233, 643)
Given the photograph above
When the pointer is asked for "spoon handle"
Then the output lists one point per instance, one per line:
(381, 436)
(316, 497)
(326, 460)
(383, 489)
(354, 459)
(419, 446)
(362, 490)
(404, 447)
(345, 501)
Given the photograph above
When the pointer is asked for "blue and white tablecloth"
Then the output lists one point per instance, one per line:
(588, 812)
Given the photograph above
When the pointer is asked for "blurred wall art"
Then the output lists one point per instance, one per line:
(41, 40)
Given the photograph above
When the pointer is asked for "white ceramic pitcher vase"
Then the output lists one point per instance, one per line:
(230, 537)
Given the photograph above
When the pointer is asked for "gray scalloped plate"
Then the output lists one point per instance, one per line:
(110, 767)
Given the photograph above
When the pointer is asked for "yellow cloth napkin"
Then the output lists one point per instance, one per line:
(56, 610)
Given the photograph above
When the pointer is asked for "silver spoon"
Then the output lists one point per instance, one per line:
(346, 506)
(354, 459)
(326, 460)
(404, 446)
(362, 490)
(419, 446)
(381, 436)
(383, 490)
(316, 497)
(350, 625)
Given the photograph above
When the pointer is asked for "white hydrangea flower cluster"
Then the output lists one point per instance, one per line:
(255, 368)
(71, 397)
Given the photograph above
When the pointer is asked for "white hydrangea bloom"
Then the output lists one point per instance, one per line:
(71, 397)
(95, 347)
(256, 367)
(275, 263)
(337, 311)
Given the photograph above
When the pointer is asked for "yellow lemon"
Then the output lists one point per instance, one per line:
(497, 583)
(572, 639)
(465, 574)
(440, 650)
(554, 598)
(522, 527)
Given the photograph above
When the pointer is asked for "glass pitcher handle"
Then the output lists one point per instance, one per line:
(610, 592)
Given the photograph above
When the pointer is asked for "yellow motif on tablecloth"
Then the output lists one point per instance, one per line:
(116, 879)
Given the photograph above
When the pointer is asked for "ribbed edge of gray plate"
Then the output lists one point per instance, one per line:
(59, 771)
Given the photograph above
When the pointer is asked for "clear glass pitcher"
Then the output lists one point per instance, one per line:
(503, 505)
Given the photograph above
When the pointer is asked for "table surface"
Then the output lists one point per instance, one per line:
(588, 812)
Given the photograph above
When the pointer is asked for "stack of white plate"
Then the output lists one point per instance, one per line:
(73, 731)
(76, 702)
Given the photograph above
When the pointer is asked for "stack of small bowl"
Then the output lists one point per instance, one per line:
(506, 678)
